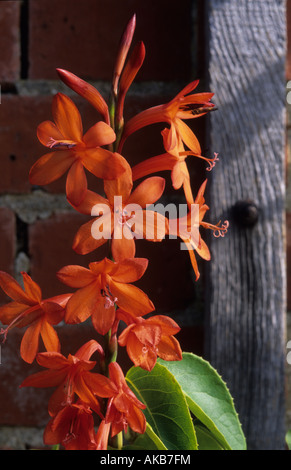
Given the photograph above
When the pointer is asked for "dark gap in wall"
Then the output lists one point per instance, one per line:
(22, 236)
(24, 34)
(8, 88)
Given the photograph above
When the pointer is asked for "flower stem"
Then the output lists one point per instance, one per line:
(120, 440)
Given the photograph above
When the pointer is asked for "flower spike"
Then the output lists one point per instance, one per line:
(124, 46)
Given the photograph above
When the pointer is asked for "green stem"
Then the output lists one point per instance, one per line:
(120, 441)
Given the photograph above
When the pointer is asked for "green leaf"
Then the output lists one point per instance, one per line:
(209, 399)
(206, 440)
(149, 441)
(288, 439)
(166, 410)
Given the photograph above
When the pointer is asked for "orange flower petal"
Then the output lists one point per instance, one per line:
(30, 341)
(57, 399)
(102, 435)
(100, 385)
(75, 276)
(169, 349)
(130, 270)
(50, 167)
(123, 338)
(187, 89)
(148, 336)
(67, 117)
(49, 134)
(103, 164)
(84, 242)
(85, 394)
(198, 98)
(168, 325)
(140, 355)
(131, 298)
(52, 360)
(203, 250)
(154, 226)
(123, 244)
(14, 290)
(102, 317)
(31, 288)
(151, 165)
(50, 338)
(179, 174)
(43, 379)
(82, 303)
(136, 420)
(188, 137)
(147, 192)
(90, 200)
(171, 141)
(193, 260)
(121, 186)
(98, 135)
(54, 312)
(11, 311)
(104, 266)
(85, 352)
(76, 183)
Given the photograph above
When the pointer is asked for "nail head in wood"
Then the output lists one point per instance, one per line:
(245, 213)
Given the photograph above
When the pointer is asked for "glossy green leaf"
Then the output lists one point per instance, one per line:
(206, 440)
(166, 410)
(149, 441)
(209, 399)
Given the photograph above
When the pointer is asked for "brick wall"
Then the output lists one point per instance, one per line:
(37, 224)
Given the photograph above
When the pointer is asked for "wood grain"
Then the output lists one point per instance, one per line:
(246, 276)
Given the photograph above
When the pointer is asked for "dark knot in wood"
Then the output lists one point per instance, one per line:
(245, 213)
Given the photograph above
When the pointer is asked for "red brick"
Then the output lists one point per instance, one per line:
(20, 148)
(288, 238)
(288, 58)
(50, 248)
(9, 41)
(7, 244)
(83, 37)
(19, 117)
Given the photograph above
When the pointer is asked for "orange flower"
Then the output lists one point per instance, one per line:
(101, 287)
(173, 160)
(72, 377)
(179, 108)
(192, 238)
(123, 409)
(125, 217)
(29, 309)
(145, 339)
(73, 151)
(102, 435)
(72, 427)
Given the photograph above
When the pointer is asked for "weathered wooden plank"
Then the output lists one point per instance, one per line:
(246, 277)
